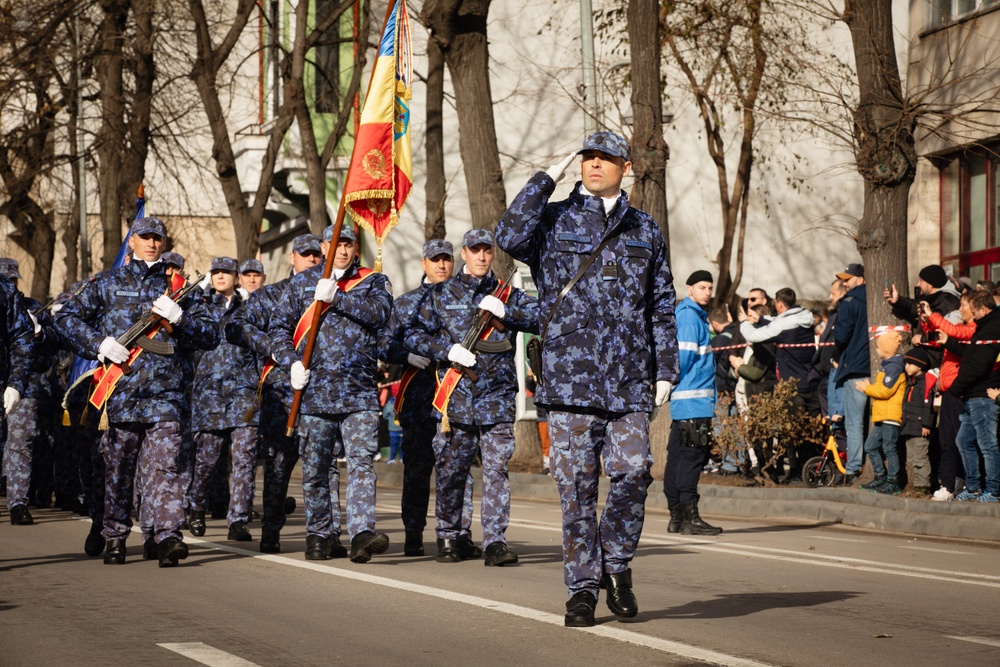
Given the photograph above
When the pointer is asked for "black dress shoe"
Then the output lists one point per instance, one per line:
(239, 533)
(366, 544)
(580, 610)
(414, 545)
(335, 549)
(150, 550)
(447, 553)
(497, 554)
(172, 550)
(621, 600)
(94, 544)
(289, 505)
(114, 552)
(467, 549)
(196, 522)
(269, 543)
(317, 548)
(20, 516)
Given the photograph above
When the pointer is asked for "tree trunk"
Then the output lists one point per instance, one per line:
(108, 68)
(435, 195)
(649, 149)
(34, 233)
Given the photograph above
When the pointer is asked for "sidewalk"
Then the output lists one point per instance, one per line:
(849, 506)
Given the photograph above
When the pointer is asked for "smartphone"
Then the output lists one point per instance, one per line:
(745, 305)
(888, 284)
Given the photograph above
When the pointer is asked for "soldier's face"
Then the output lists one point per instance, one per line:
(251, 281)
(147, 247)
(438, 268)
(478, 259)
(603, 173)
(346, 252)
(700, 293)
(302, 262)
(223, 282)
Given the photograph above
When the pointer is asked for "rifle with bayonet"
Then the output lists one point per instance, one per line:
(137, 338)
(52, 299)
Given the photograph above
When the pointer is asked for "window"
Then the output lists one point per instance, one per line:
(970, 213)
(943, 12)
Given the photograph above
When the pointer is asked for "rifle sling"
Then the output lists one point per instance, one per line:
(565, 290)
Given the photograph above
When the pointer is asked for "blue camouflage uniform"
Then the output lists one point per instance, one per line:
(481, 412)
(340, 408)
(613, 336)
(146, 409)
(16, 344)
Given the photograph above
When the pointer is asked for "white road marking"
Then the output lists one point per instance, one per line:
(606, 631)
(836, 539)
(976, 640)
(208, 655)
(940, 551)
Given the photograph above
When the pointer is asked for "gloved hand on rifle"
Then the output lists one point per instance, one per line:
(34, 322)
(326, 290)
(299, 376)
(10, 398)
(493, 305)
(461, 356)
(168, 309)
(417, 361)
(663, 389)
(113, 351)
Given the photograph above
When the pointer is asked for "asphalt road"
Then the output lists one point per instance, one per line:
(764, 593)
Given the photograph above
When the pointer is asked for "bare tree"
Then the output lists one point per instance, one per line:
(436, 194)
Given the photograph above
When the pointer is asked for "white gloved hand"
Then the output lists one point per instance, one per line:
(243, 292)
(557, 170)
(417, 361)
(325, 289)
(56, 307)
(461, 356)
(168, 309)
(10, 398)
(113, 351)
(494, 305)
(299, 376)
(205, 282)
(34, 322)
(663, 389)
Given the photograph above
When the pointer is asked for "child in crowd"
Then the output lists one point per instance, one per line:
(918, 418)
(887, 414)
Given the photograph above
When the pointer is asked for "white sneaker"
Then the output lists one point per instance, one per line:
(943, 494)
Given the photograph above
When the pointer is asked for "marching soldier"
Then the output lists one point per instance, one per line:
(481, 407)
(144, 411)
(340, 408)
(16, 343)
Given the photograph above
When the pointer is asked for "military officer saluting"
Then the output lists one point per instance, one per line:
(145, 408)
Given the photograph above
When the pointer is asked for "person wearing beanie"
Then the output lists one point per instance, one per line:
(886, 393)
(918, 418)
(933, 287)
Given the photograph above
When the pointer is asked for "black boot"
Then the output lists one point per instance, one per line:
(676, 518)
(172, 550)
(580, 610)
(197, 523)
(269, 541)
(621, 600)
(693, 523)
(336, 549)
(150, 550)
(238, 532)
(498, 554)
(94, 544)
(317, 548)
(114, 552)
(20, 516)
(366, 544)
(414, 545)
(467, 549)
(447, 553)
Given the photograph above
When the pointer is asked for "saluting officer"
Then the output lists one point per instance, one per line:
(248, 327)
(16, 343)
(145, 409)
(340, 408)
(608, 334)
(223, 412)
(481, 411)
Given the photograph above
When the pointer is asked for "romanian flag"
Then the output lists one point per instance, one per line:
(381, 172)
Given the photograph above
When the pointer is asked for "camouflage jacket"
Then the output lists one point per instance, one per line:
(115, 300)
(444, 318)
(43, 382)
(16, 338)
(615, 332)
(248, 328)
(392, 350)
(345, 358)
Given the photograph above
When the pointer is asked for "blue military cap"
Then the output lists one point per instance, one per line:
(9, 268)
(173, 259)
(307, 243)
(475, 237)
(225, 264)
(608, 143)
(251, 265)
(346, 232)
(149, 226)
(436, 247)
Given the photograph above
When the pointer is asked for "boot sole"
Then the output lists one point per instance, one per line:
(378, 545)
(509, 559)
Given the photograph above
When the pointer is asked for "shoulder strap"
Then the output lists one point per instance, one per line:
(579, 274)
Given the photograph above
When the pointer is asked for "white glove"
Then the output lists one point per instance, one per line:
(205, 282)
(56, 307)
(663, 389)
(557, 170)
(299, 376)
(10, 398)
(243, 292)
(417, 361)
(461, 356)
(325, 289)
(494, 305)
(34, 321)
(168, 309)
(113, 351)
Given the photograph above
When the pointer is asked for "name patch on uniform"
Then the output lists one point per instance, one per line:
(457, 306)
(579, 238)
(638, 244)
(124, 293)
(311, 288)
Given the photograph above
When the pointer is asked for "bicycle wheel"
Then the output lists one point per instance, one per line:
(817, 471)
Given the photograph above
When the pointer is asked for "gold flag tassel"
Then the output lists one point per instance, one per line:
(104, 423)
(378, 257)
(66, 420)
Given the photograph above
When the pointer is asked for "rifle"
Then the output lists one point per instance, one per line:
(52, 299)
(137, 338)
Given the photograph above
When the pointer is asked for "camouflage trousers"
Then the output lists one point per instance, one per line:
(22, 432)
(242, 443)
(578, 441)
(321, 440)
(455, 451)
(280, 453)
(157, 449)
(144, 488)
(418, 464)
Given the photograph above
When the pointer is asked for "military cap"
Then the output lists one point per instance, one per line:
(475, 237)
(251, 265)
(608, 143)
(225, 264)
(307, 243)
(9, 268)
(149, 226)
(173, 259)
(346, 232)
(436, 247)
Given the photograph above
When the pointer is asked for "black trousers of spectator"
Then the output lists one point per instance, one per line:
(684, 465)
(950, 466)
(418, 464)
